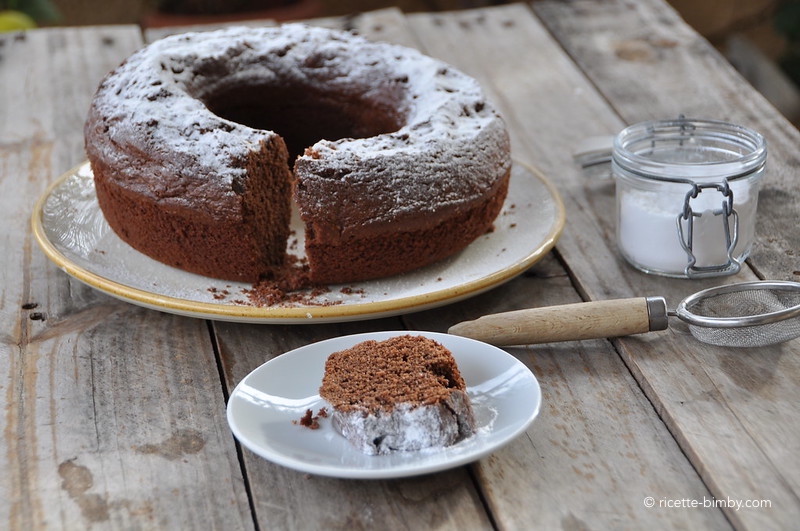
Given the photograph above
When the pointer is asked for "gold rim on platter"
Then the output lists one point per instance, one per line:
(69, 228)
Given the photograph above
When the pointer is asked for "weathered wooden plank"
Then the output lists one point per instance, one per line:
(650, 65)
(153, 34)
(598, 439)
(114, 415)
(752, 386)
(386, 25)
(382, 24)
(286, 499)
(598, 448)
(551, 109)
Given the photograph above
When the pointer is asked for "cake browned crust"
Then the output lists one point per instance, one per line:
(200, 143)
(403, 393)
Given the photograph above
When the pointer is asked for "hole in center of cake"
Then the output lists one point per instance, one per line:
(304, 115)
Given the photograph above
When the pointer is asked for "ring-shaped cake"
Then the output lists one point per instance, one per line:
(200, 142)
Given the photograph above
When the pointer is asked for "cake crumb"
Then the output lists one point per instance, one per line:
(289, 284)
(311, 421)
(350, 290)
(218, 294)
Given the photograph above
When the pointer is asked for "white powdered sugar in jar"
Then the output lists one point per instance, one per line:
(687, 195)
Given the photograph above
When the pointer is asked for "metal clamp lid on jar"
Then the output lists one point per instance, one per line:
(733, 152)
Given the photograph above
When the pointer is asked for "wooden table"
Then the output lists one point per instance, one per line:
(114, 415)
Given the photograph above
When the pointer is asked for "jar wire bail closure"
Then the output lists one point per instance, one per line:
(686, 236)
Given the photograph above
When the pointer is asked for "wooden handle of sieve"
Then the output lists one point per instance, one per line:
(585, 320)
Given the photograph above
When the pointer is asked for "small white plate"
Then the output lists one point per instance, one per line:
(505, 396)
(72, 232)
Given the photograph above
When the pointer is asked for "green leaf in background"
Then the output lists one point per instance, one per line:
(38, 10)
(787, 24)
(787, 20)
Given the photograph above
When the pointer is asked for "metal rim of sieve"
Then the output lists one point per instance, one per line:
(686, 315)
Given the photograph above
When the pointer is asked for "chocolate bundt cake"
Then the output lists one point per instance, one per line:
(404, 393)
(200, 142)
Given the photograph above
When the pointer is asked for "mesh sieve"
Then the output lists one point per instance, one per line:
(748, 314)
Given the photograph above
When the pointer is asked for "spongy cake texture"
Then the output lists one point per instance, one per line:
(404, 393)
(199, 141)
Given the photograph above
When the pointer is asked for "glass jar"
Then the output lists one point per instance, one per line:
(686, 195)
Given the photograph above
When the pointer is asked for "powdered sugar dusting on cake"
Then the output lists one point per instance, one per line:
(156, 98)
(447, 148)
(433, 149)
(406, 427)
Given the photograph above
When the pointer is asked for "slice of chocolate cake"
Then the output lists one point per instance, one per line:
(404, 393)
